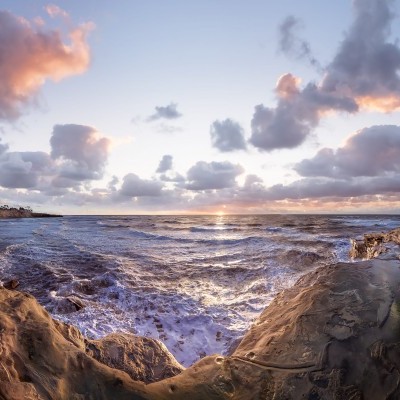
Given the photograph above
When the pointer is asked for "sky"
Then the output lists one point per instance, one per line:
(211, 106)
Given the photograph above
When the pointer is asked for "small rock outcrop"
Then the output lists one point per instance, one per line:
(11, 284)
(373, 244)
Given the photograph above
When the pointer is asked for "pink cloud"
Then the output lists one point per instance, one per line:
(30, 55)
(55, 11)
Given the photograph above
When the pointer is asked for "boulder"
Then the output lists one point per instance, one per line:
(143, 359)
(11, 284)
(69, 305)
(373, 244)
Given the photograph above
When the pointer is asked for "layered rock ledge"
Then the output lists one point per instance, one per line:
(374, 244)
(334, 335)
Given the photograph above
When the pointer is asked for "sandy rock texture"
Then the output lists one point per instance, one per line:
(143, 359)
(374, 244)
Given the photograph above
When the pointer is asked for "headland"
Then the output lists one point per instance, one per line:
(22, 212)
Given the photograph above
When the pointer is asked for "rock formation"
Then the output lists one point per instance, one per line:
(143, 359)
(335, 335)
(374, 244)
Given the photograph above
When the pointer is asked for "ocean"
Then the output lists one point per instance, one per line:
(195, 282)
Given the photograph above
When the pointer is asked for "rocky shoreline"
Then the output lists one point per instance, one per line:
(6, 213)
(334, 335)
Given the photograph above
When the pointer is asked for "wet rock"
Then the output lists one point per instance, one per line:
(373, 244)
(76, 302)
(12, 284)
(69, 305)
(370, 247)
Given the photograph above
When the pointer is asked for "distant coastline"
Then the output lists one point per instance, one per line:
(7, 212)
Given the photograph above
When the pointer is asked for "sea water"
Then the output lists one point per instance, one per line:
(194, 282)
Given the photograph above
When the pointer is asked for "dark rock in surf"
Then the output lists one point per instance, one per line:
(12, 284)
(69, 305)
(76, 302)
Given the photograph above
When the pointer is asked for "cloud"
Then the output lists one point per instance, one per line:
(298, 112)
(227, 135)
(167, 112)
(290, 43)
(30, 55)
(366, 66)
(111, 186)
(364, 73)
(172, 177)
(335, 188)
(165, 164)
(134, 186)
(24, 169)
(78, 155)
(253, 181)
(373, 151)
(55, 11)
(213, 175)
(81, 148)
(168, 129)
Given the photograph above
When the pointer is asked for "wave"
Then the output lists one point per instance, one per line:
(214, 229)
(214, 241)
(274, 229)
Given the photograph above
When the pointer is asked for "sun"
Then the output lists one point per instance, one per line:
(220, 213)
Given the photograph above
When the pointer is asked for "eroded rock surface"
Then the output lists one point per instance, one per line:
(144, 359)
(374, 244)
